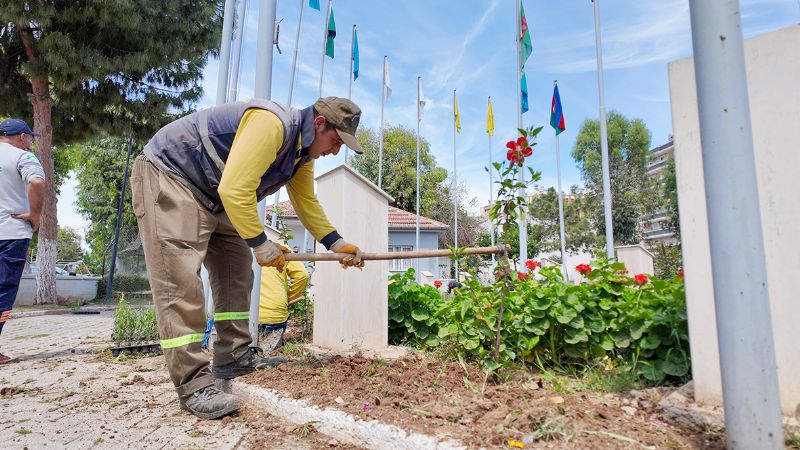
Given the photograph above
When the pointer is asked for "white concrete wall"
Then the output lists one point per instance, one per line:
(773, 71)
(351, 306)
(68, 289)
(636, 259)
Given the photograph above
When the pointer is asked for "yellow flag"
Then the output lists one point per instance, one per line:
(490, 119)
(457, 117)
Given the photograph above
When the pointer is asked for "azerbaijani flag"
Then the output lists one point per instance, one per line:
(524, 37)
(331, 35)
(556, 114)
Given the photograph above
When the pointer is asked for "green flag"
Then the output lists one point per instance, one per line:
(524, 36)
(331, 35)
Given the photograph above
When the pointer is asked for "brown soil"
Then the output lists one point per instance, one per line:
(424, 394)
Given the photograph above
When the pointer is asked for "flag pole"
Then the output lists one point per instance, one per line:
(603, 136)
(274, 219)
(419, 89)
(419, 83)
(324, 43)
(233, 83)
(523, 228)
(751, 398)
(491, 180)
(455, 185)
(350, 79)
(561, 207)
(294, 58)
(380, 143)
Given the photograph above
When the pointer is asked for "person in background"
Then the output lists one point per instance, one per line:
(21, 197)
(278, 288)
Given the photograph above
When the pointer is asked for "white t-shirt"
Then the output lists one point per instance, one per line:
(17, 168)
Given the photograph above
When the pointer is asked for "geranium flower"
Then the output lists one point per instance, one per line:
(527, 152)
(511, 145)
(641, 279)
(522, 275)
(680, 273)
(532, 265)
(522, 141)
(437, 283)
(584, 269)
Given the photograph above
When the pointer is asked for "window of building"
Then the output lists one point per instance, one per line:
(400, 265)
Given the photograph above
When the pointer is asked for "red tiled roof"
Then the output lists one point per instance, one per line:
(397, 217)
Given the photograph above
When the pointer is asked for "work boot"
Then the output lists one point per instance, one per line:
(250, 361)
(210, 403)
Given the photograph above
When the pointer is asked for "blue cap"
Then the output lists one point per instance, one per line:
(13, 127)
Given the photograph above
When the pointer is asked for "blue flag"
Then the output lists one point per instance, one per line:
(355, 55)
(524, 87)
(314, 4)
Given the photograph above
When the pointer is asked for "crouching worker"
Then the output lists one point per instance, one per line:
(277, 290)
(195, 193)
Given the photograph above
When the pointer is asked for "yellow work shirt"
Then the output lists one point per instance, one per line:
(278, 288)
(254, 149)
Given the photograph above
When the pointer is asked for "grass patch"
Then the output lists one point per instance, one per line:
(32, 336)
(23, 431)
(792, 439)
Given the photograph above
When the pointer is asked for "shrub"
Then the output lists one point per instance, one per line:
(552, 323)
(411, 311)
(124, 283)
(132, 326)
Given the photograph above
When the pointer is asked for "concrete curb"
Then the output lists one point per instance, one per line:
(338, 424)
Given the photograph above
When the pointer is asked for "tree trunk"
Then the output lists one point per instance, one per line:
(48, 228)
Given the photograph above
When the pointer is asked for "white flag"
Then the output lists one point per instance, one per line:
(387, 84)
(420, 99)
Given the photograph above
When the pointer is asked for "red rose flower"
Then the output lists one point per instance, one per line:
(522, 275)
(584, 269)
(532, 265)
(437, 283)
(641, 279)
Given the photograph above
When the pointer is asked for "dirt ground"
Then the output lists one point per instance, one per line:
(452, 400)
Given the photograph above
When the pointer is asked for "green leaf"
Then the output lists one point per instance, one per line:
(419, 315)
(565, 315)
(676, 364)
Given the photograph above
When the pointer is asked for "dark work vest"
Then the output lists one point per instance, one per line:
(194, 148)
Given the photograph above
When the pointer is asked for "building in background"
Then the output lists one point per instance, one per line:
(656, 228)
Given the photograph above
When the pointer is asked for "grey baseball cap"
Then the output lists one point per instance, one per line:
(344, 116)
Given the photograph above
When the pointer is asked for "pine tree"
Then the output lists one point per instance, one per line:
(94, 67)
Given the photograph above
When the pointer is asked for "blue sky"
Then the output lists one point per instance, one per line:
(469, 46)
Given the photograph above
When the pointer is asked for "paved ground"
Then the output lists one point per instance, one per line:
(64, 391)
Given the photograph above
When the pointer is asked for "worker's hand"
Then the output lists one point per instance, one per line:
(341, 246)
(32, 219)
(270, 255)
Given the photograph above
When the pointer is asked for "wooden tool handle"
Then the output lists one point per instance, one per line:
(498, 249)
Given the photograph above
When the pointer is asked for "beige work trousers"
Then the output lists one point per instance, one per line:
(178, 234)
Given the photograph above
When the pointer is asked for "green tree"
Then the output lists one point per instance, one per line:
(99, 186)
(98, 66)
(399, 167)
(69, 244)
(633, 194)
(578, 229)
(669, 196)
